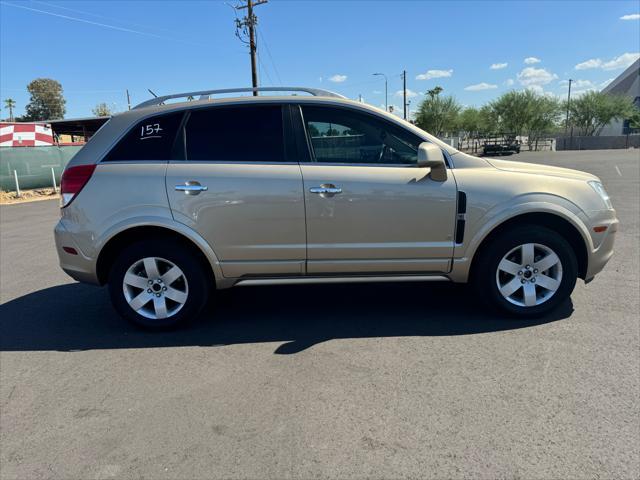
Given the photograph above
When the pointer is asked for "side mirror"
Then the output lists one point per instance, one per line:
(430, 156)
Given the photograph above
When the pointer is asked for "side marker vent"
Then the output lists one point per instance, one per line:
(461, 216)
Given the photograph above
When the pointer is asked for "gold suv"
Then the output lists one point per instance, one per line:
(170, 201)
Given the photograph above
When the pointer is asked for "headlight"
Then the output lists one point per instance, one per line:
(597, 186)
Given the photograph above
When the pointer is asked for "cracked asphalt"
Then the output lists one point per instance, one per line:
(343, 381)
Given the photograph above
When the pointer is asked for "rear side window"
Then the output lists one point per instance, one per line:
(151, 139)
(236, 134)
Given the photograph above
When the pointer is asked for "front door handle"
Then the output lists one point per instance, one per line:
(327, 189)
(191, 188)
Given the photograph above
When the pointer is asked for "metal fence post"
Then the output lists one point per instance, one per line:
(53, 179)
(15, 176)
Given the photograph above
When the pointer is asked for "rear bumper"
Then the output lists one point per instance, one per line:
(77, 266)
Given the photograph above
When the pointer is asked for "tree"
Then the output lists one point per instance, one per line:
(313, 130)
(489, 121)
(593, 110)
(634, 119)
(436, 114)
(542, 119)
(513, 110)
(102, 110)
(435, 91)
(10, 104)
(47, 102)
(469, 121)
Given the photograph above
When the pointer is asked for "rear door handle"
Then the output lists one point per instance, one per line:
(191, 188)
(326, 188)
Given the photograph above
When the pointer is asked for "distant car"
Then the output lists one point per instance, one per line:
(501, 145)
(168, 202)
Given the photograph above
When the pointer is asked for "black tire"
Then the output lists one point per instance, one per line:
(485, 268)
(176, 253)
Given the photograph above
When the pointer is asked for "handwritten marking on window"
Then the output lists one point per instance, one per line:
(150, 131)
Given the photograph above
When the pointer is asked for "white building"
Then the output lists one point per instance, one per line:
(627, 84)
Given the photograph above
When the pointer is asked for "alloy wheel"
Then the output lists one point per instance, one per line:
(529, 275)
(155, 288)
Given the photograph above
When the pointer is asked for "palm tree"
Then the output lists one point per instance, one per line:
(10, 103)
(434, 92)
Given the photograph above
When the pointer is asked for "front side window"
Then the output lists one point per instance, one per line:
(151, 139)
(343, 136)
(236, 134)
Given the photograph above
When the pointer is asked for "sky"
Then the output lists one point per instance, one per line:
(474, 50)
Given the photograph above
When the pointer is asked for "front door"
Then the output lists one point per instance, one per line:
(237, 189)
(369, 209)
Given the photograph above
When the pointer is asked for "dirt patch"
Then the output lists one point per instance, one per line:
(28, 196)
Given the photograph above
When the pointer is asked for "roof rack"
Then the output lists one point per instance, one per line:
(204, 94)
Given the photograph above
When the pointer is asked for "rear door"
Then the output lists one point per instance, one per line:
(237, 187)
(369, 208)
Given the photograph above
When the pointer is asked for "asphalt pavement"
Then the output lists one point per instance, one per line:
(332, 381)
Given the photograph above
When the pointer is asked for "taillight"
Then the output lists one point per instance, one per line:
(73, 180)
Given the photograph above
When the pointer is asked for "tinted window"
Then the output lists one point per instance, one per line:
(238, 134)
(343, 136)
(150, 139)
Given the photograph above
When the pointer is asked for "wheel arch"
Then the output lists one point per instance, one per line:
(132, 234)
(558, 223)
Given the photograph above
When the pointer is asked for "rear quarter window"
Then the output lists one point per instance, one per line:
(150, 139)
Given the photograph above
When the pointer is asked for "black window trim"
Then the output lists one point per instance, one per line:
(298, 131)
(180, 154)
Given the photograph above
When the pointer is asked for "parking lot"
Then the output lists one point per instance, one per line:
(343, 381)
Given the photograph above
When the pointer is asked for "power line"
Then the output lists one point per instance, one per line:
(103, 25)
(275, 69)
(82, 12)
(264, 68)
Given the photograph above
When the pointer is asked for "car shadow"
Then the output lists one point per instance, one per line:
(75, 317)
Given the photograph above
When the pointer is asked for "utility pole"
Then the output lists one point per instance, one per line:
(566, 125)
(567, 120)
(404, 93)
(128, 100)
(249, 23)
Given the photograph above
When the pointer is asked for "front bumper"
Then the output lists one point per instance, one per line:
(603, 250)
(77, 266)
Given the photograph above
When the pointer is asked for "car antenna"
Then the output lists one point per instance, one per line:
(152, 93)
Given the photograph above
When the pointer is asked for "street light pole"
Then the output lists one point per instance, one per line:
(386, 102)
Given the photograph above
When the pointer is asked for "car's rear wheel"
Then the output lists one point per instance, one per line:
(527, 271)
(158, 284)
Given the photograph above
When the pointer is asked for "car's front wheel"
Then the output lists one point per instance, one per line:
(158, 284)
(527, 271)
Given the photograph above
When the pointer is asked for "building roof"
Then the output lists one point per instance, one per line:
(77, 126)
(627, 83)
(86, 126)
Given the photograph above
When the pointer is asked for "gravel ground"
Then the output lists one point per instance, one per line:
(351, 381)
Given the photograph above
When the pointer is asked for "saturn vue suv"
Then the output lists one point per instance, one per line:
(169, 201)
